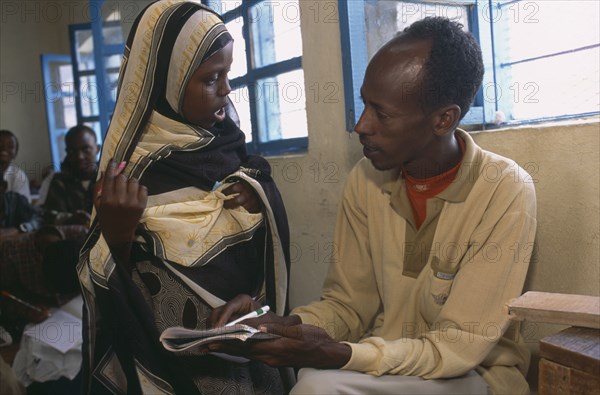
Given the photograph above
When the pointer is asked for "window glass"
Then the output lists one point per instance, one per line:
(240, 65)
(84, 49)
(241, 101)
(282, 106)
(275, 32)
(112, 34)
(384, 19)
(88, 93)
(557, 76)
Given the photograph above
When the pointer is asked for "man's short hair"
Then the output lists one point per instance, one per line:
(454, 70)
(75, 130)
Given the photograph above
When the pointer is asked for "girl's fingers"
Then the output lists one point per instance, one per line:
(110, 170)
(120, 187)
(143, 195)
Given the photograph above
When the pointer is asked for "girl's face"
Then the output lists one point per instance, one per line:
(206, 93)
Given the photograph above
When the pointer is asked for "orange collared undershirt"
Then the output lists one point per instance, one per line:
(419, 190)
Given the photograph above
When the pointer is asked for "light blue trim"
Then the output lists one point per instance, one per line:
(354, 56)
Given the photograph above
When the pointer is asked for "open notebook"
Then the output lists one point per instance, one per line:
(177, 339)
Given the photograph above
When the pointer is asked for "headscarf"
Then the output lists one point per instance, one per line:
(191, 242)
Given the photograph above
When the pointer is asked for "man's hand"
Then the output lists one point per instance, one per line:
(299, 346)
(246, 197)
(119, 203)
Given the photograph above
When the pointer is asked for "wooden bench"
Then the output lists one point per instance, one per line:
(569, 360)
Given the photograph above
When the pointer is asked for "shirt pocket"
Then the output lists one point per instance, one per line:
(436, 288)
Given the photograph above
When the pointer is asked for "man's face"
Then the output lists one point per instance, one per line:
(206, 92)
(82, 150)
(8, 149)
(394, 128)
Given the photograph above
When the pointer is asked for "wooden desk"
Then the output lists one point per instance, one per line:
(570, 362)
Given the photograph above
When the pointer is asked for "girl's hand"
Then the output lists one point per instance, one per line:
(236, 307)
(119, 204)
(247, 197)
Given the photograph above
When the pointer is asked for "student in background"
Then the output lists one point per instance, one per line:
(69, 198)
(16, 179)
(16, 214)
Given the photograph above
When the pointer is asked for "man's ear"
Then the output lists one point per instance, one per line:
(446, 119)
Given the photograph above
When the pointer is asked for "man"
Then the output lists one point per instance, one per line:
(433, 238)
(70, 195)
(16, 179)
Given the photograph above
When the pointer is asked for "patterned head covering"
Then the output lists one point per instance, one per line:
(172, 38)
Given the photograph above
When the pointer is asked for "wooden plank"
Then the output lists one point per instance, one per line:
(554, 308)
(577, 348)
(556, 379)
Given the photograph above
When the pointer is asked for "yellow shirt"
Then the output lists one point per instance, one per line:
(431, 302)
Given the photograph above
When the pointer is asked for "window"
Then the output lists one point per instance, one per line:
(84, 77)
(107, 45)
(267, 79)
(541, 57)
(60, 102)
(76, 91)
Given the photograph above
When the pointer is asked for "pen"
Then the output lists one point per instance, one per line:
(24, 303)
(253, 314)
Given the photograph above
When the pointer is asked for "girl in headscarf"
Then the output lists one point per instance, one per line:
(190, 221)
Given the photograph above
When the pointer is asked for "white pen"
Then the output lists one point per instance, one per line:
(253, 314)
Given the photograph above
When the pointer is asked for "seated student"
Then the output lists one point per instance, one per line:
(16, 179)
(69, 197)
(427, 241)
(188, 219)
(16, 214)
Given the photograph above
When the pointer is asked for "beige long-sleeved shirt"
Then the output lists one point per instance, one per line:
(431, 302)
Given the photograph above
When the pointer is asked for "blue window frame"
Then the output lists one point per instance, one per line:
(59, 95)
(267, 79)
(520, 83)
(84, 76)
(108, 46)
